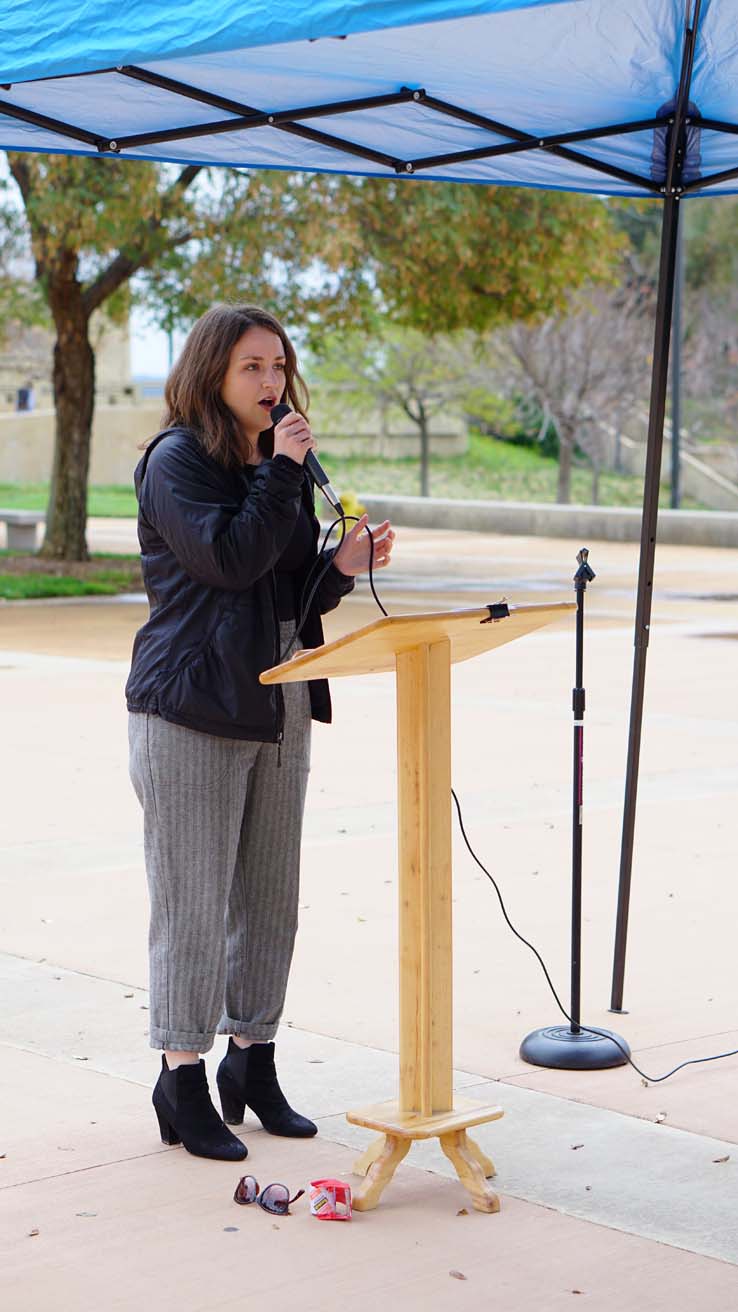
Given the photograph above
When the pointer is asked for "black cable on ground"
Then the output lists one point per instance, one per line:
(586, 1029)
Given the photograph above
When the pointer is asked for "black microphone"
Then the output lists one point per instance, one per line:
(312, 464)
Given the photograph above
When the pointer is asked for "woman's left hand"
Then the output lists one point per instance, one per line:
(352, 556)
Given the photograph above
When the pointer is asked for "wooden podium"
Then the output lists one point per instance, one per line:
(421, 649)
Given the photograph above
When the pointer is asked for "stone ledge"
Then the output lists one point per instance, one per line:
(704, 528)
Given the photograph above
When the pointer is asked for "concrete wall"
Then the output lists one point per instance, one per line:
(708, 471)
(609, 523)
(26, 441)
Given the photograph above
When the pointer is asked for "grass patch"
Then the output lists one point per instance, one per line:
(25, 578)
(491, 470)
(103, 502)
(27, 587)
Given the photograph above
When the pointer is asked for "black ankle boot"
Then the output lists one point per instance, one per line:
(186, 1115)
(247, 1077)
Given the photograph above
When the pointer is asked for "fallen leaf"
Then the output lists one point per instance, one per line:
(457, 1275)
(722, 1159)
(588, 1187)
(577, 1291)
(127, 995)
(660, 1118)
(644, 1083)
(462, 1212)
(76, 1058)
(274, 1227)
(33, 1232)
(143, 1006)
(575, 1146)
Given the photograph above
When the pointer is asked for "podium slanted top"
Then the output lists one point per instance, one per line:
(372, 649)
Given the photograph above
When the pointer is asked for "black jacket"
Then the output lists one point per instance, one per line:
(209, 540)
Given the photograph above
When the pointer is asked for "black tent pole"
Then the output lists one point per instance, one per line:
(659, 376)
(676, 376)
(672, 190)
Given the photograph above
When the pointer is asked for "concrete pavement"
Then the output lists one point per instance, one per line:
(625, 1193)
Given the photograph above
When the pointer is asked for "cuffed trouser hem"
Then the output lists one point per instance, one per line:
(243, 1030)
(180, 1040)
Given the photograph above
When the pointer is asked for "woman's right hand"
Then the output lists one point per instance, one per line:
(293, 437)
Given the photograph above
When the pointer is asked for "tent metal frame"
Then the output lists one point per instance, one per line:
(245, 117)
(672, 188)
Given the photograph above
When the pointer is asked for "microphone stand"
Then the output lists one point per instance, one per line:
(568, 1047)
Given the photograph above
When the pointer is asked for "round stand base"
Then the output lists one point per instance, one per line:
(563, 1049)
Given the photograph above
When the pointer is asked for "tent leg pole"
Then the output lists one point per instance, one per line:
(659, 375)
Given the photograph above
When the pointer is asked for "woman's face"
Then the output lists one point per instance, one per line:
(255, 379)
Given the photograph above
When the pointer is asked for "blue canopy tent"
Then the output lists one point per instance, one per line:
(624, 97)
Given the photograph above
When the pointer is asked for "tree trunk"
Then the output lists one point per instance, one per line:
(74, 399)
(595, 485)
(424, 453)
(617, 462)
(566, 450)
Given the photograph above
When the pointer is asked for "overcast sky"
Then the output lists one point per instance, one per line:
(150, 348)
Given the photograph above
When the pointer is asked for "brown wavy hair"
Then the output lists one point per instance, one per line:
(193, 388)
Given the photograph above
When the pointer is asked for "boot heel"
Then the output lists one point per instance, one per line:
(169, 1135)
(186, 1114)
(232, 1106)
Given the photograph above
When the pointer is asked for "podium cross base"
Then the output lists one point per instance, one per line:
(398, 1129)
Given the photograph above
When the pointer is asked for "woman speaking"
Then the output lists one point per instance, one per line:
(220, 763)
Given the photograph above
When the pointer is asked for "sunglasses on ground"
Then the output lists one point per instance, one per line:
(275, 1198)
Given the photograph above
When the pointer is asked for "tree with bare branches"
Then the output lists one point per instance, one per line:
(398, 368)
(586, 368)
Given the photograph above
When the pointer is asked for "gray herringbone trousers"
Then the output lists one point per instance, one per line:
(222, 829)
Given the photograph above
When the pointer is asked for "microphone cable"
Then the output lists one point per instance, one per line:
(306, 603)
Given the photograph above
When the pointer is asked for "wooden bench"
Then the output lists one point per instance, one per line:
(22, 528)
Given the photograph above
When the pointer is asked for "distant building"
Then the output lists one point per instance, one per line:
(26, 361)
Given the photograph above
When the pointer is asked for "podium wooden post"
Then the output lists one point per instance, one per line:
(421, 649)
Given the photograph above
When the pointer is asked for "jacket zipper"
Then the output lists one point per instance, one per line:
(278, 653)
(277, 686)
